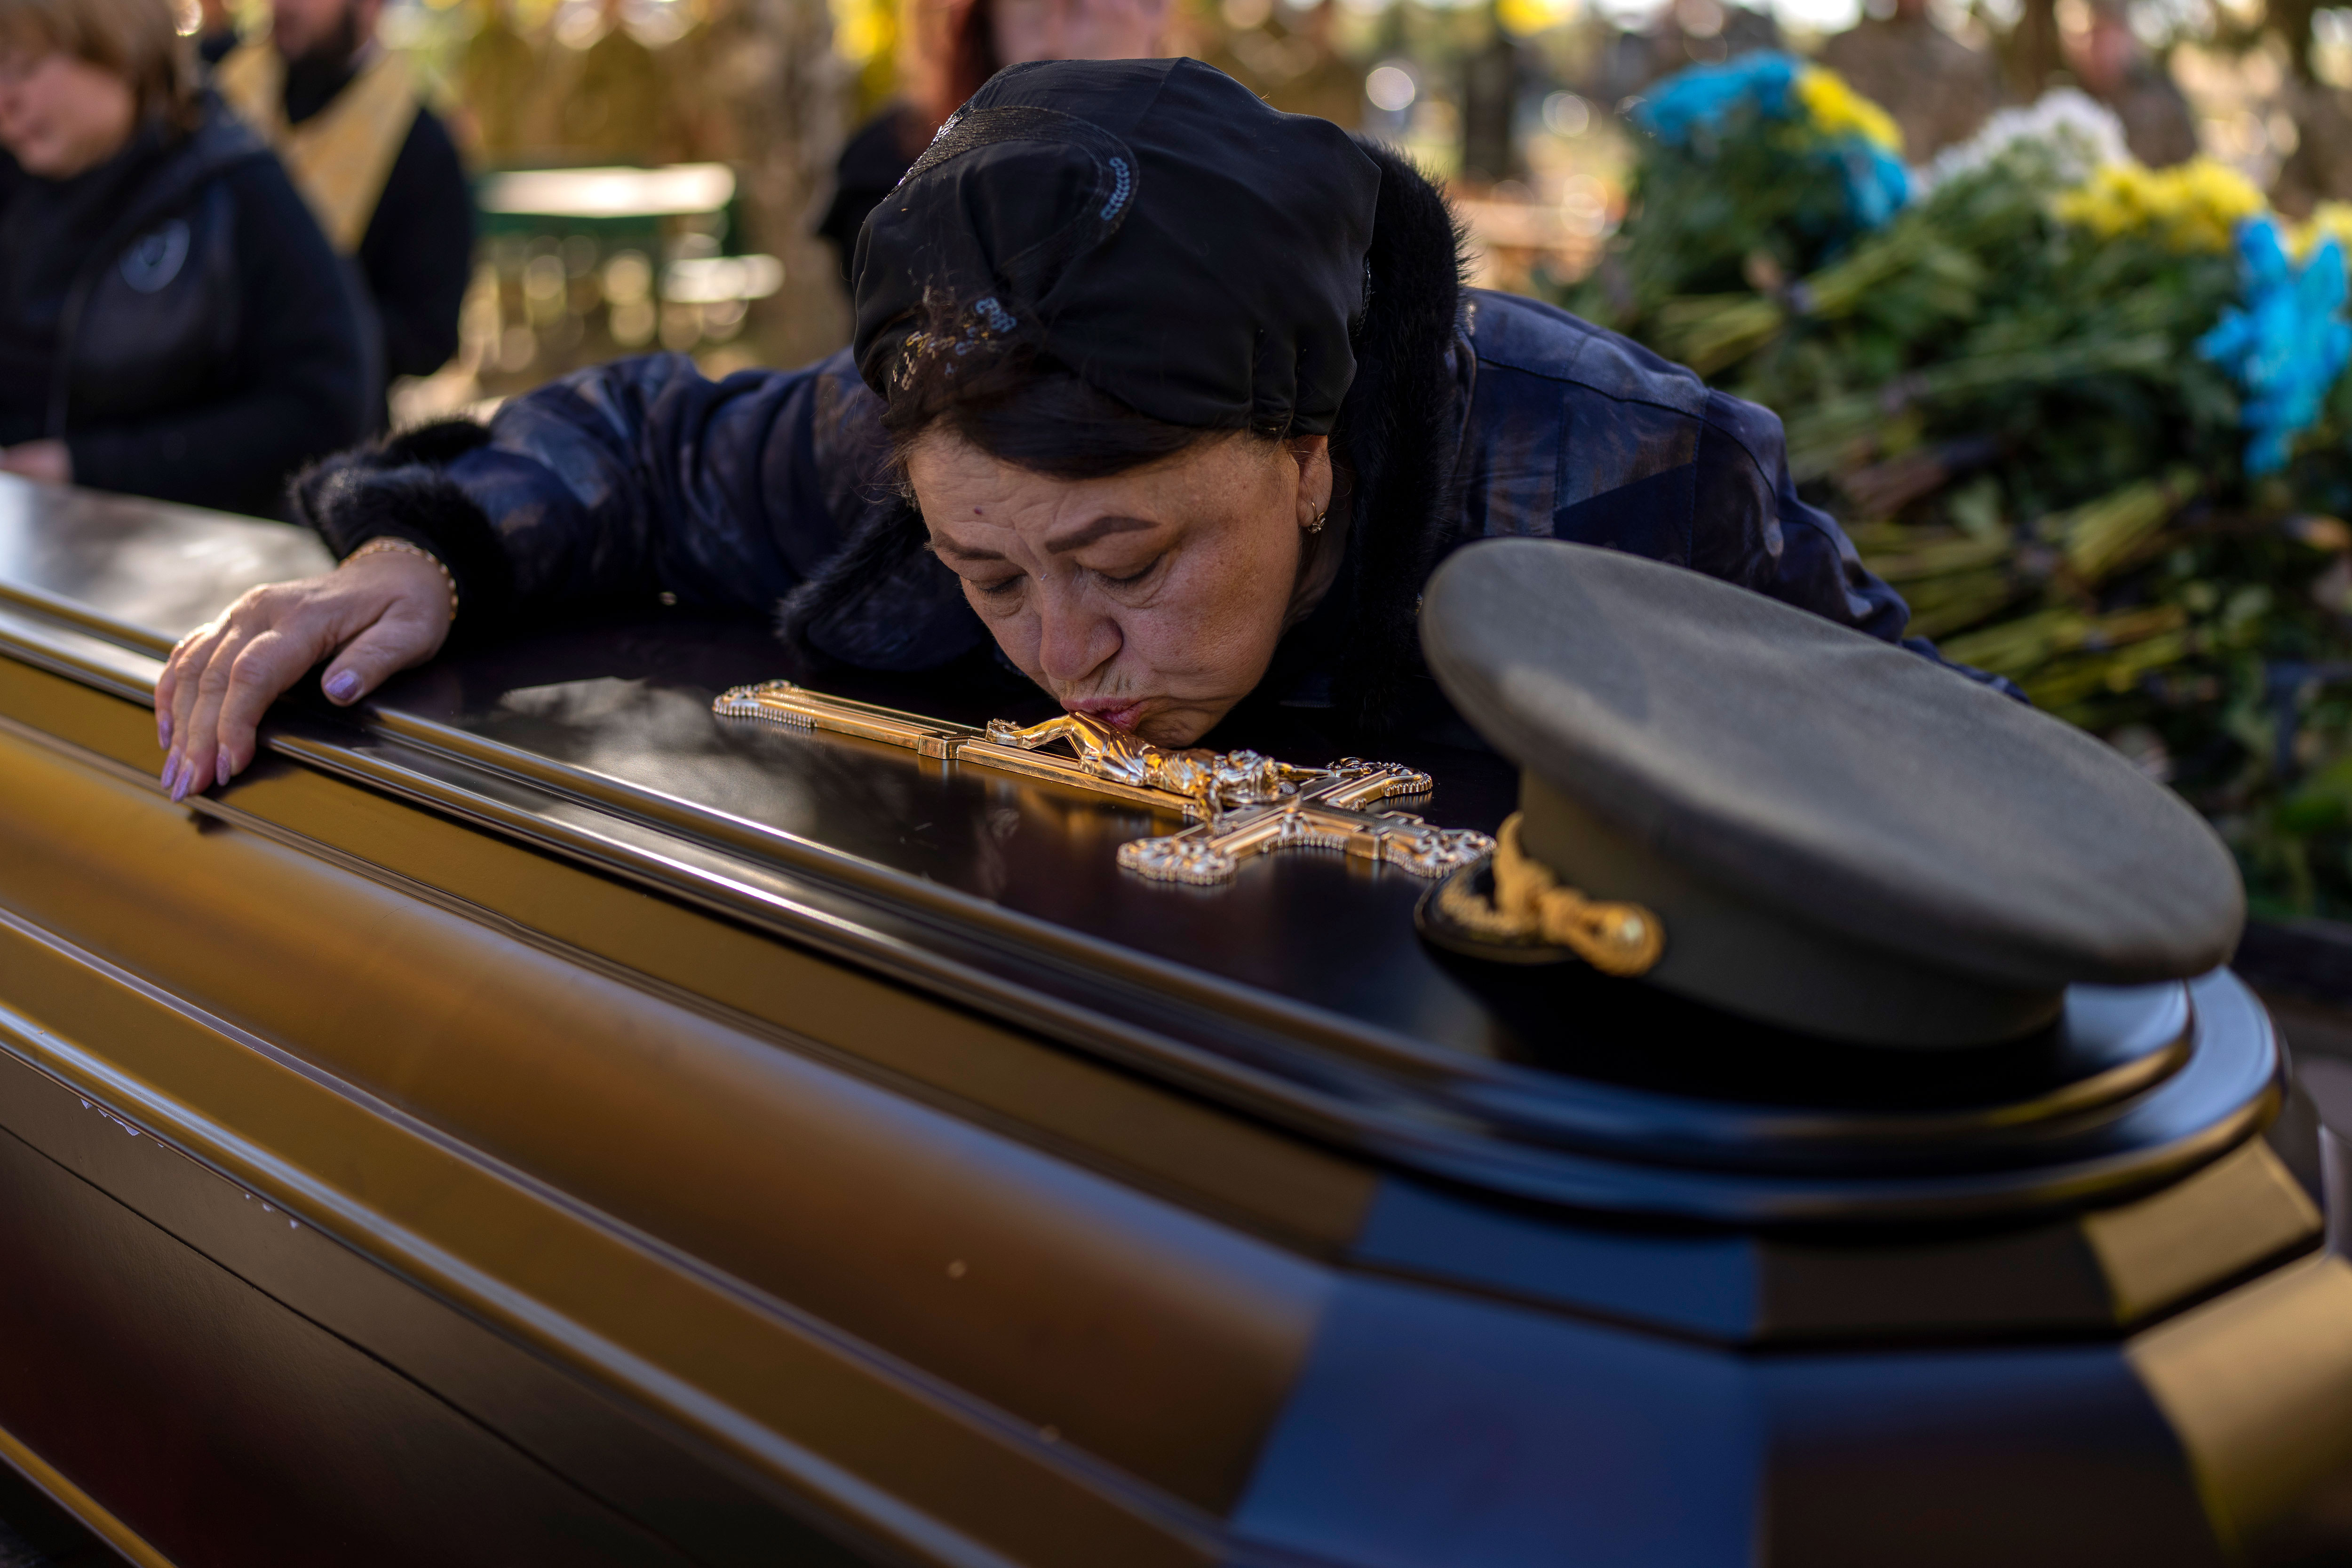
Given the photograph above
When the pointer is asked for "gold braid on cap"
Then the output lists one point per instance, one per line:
(1530, 905)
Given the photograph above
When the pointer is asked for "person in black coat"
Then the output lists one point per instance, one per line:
(172, 322)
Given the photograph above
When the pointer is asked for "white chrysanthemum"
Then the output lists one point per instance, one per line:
(2073, 134)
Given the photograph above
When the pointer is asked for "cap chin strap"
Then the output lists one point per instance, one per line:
(1530, 905)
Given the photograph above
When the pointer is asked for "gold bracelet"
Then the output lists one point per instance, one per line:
(383, 542)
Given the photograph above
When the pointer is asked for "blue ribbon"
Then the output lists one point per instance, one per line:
(2286, 343)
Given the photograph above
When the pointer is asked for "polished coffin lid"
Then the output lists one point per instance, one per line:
(1299, 991)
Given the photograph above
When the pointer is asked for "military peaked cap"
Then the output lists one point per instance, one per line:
(1832, 834)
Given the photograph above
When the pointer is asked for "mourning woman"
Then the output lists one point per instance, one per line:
(172, 322)
(1174, 398)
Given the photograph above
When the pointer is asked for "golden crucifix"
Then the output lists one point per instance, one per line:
(1243, 803)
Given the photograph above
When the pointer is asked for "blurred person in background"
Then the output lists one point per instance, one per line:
(2117, 68)
(216, 31)
(1938, 90)
(952, 46)
(377, 167)
(172, 322)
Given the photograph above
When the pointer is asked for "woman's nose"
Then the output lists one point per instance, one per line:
(1073, 640)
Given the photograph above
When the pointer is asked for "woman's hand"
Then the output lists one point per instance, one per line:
(50, 462)
(375, 615)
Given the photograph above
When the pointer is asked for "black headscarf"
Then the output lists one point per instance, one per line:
(1149, 224)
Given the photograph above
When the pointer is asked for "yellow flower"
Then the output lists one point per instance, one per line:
(863, 29)
(1524, 19)
(1836, 109)
(2195, 205)
(2329, 220)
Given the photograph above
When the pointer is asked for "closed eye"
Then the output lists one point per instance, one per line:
(999, 588)
(1149, 567)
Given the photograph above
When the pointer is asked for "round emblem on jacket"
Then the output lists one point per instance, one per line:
(155, 257)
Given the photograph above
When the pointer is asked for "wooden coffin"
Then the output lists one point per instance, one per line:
(532, 1119)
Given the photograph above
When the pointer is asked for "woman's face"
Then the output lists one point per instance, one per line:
(59, 114)
(1151, 599)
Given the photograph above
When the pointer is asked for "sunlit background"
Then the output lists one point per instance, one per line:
(649, 172)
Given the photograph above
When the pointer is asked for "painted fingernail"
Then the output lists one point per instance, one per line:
(163, 731)
(344, 685)
(228, 768)
(181, 773)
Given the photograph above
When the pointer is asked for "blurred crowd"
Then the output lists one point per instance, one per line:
(238, 233)
(209, 273)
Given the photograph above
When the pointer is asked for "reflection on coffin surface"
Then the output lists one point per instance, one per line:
(535, 1119)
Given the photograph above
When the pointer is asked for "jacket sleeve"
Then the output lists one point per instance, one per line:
(296, 390)
(619, 484)
(1794, 551)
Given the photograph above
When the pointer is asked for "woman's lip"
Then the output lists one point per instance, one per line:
(1122, 714)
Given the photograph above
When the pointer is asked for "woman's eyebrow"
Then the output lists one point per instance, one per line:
(1079, 538)
(942, 545)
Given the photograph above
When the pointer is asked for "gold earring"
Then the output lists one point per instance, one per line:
(1316, 526)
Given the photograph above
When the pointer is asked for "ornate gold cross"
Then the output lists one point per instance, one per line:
(1243, 803)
